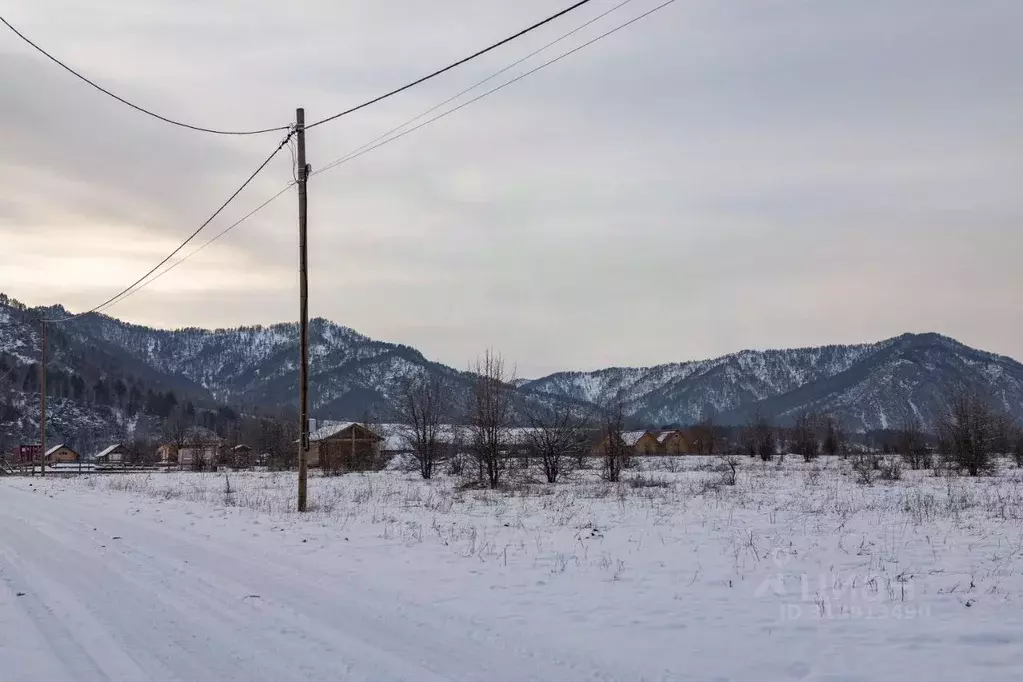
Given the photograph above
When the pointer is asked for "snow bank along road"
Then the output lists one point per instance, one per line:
(790, 575)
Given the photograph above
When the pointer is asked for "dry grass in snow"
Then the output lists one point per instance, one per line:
(917, 571)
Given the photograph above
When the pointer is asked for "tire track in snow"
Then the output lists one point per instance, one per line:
(177, 602)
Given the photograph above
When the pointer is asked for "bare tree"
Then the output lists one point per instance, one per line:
(1004, 429)
(970, 429)
(140, 451)
(175, 428)
(804, 436)
(277, 439)
(555, 435)
(729, 468)
(703, 435)
(834, 436)
(763, 437)
(615, 451)
(748, 439)
(489, 416)
(422, 407)
(910, 443)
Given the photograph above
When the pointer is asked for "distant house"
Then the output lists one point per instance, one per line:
(198, 447)
(241, 456)
(201, 447)
(674, 443)
(61, 454)
(642, 442)
(167, 453)
(26, 454)
(116, 453)
(345, 442)
(638, 442)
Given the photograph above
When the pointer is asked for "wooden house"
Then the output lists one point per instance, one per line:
(201, 448)
(167, 453)
(341, 445)
(636, 443)
(61, 454)
(642, 442)
(242, 457)
(26, 454)
(674, 443)
(114, 454)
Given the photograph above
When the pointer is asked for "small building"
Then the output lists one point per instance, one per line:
(26, 454)
(116, 453)
(167, 453)
(642, 442)
(61, 454)
(242, 457)
(201, 448)
(636, 442)
(343, 444)
(674, 443)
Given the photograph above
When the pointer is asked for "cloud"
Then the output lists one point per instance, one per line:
(721, 175)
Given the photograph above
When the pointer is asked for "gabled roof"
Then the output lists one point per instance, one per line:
(107, 451)
(328, 430)
(57, 447)
(241, 446)
(632, 437)
(325, 432)
(664, 436)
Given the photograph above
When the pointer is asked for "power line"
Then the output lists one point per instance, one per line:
(130, 290)
(131, 104)
(205, 244)
(124, 292)
(447, 68)
(8, 372)
(263, 205)
(479, 83)
(366, 149)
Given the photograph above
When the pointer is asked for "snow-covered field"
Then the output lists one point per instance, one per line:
(796, 572)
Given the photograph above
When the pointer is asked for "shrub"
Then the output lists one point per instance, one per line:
(728, 468)
(890, 468)
(865, 466)
(971, 431)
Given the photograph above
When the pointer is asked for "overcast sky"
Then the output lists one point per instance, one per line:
(725, 174)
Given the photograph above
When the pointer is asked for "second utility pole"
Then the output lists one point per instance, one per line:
(42, 401)
(303, 320)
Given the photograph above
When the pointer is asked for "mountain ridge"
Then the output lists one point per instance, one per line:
(866, 385)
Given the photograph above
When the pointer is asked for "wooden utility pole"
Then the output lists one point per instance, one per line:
(303, 322)
(42, 403)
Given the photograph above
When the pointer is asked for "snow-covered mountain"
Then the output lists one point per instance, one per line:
(868, 386)
(258, 366)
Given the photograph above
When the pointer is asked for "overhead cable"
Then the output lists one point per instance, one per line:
(478, 84)
(126, 291)
(366, 149)
(453, 65)
(134, 106)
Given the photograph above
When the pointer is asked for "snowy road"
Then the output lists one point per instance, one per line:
(90, 594)
(170, 577)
